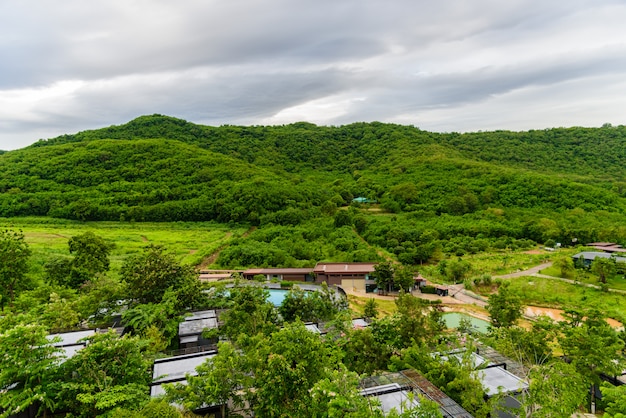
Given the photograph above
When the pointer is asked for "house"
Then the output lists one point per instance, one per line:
(288, 274)
(609, 247)
(393, 390)
(587, 258)
(355, 276)
(175, 370)
(500, 377)
(72, 342)
(191, 328)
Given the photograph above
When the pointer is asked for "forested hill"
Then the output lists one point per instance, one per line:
(160, 168)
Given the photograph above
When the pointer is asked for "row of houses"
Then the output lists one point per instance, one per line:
(357, 276)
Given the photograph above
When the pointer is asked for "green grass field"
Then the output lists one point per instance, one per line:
(191, 242)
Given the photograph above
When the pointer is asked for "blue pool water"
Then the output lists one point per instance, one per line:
(277, 296)
(452, 320)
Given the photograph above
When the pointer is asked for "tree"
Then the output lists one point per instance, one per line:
(603, 267)
(149, 275)
(566, 265)
(383, 274)
(90, 258)
(593, 347)
(403, 278)
(556, 390)
(309, 306)
(110, 372)
(27, 366)
(504, 307)
(370, 310)
(457, 270)
(615, 398)
(291, 363)
(14, 255)
(249, 313)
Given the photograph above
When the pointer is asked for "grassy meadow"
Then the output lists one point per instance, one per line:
(191, 242)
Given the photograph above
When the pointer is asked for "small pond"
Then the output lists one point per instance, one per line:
(452, 320)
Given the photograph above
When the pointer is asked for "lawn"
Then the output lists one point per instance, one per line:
(191, 242)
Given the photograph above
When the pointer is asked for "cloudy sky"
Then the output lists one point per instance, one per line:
(446, 65)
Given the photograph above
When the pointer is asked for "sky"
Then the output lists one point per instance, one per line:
(446, 66)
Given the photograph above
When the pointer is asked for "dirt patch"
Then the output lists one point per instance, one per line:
(144, 238)
(557, 315)
(533, 252)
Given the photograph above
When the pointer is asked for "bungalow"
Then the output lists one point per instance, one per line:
(587, 258)
(175, 370)
(191, 328)
(347, 275)
(393, 390)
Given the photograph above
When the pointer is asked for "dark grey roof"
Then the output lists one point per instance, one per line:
(591, 255)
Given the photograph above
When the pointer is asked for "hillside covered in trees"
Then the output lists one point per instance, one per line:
(434, 192)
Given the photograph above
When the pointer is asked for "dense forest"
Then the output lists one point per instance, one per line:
(291, 196)
(433, 192)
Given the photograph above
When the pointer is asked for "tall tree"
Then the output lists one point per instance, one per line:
(504, 307)
(603, 267)
(14, 255)
(383, 275)
(593, 347)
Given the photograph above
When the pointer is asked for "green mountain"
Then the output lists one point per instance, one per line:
(563, 184)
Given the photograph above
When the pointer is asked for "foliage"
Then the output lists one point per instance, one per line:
(148, 276)
(27, 366)
(91, 257)
(14, 254)
(556, 390)
(110, 372)
(310, 306)
(363, 353)
(384, 275)
(615, 398)
(504, 307)
(249, 313)
(603, 267)
(370, 310)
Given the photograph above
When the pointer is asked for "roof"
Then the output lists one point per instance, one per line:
(71, 338)
(175, 369)
(590, 255)
(338, 268)
(498, 380)
(307, 270)
(410, 380)
(391, 396)
(196, 326)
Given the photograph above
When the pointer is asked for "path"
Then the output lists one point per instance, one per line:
(534, 272)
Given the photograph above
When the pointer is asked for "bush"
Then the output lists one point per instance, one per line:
(428, 289)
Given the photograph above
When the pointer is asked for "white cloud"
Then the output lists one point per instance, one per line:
(450, 65)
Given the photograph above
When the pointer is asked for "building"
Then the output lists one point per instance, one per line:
(288, 274)
(175, 370)
(587, 258)
(497, 374)
(191, 328)
(393, 390)
(356, 276)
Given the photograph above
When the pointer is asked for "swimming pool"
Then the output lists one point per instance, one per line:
(453, 319)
